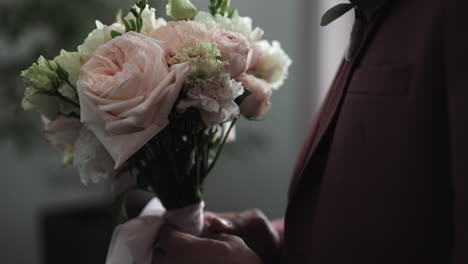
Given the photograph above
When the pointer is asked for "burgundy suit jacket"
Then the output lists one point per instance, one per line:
(383, 177)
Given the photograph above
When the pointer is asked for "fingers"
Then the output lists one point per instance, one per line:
(218, 224)
(176, 247)
(236, 244)
(171, 238)
(235, 224)
(229, 239)
(182, 248)
(253, 227)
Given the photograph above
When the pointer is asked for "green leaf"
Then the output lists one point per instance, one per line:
(233, 13)
(215, 6)
(224, 7)
(140, 24)
(141, 3)
(218, 4)
(134, 12)
(335, 12)
(128, 26)
(133, 24)
(115, 34)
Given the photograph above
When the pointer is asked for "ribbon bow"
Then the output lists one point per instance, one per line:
(366, 9)
(133, 242)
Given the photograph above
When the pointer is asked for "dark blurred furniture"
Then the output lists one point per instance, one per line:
(81, 234)
(76, 234)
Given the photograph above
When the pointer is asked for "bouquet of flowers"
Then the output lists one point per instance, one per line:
(150, 104)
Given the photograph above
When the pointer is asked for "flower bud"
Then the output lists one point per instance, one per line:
(181, 9)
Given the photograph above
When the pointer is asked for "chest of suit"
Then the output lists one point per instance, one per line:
(377, 166)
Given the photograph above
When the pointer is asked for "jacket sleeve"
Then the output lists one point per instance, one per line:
(455, 46)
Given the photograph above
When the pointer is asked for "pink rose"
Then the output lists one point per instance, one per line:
(255, 54)
(258, 102)
(234, 48)
(126, 93)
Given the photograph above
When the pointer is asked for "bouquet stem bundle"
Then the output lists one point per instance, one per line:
(175, 163)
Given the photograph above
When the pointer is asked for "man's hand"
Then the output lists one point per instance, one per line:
(252, 226)
(174, 247)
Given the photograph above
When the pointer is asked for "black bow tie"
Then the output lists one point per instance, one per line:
(366, 10)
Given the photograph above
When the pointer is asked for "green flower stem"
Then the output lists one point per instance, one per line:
(197, 164)
(220, 147)
(206, 153)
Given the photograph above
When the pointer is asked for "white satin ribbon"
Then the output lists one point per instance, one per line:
(133, 242)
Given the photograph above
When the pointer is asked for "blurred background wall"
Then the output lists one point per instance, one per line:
(253, 172)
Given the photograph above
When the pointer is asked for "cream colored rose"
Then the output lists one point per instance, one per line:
(97, 37)
(237, 23)
(258, 102)
(127, 91)
(234, 48)
(269, 62)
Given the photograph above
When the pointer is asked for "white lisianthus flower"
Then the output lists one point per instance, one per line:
(71, 63)
(150, 22)
(214, 99)
(62, 133)
(93, 161)
(272, 64)
(42, 81)
(160, 22)
(237, 23)
(101, 35)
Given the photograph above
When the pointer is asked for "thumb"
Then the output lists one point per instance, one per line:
(220, 225)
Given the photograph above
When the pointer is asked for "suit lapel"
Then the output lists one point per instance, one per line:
(332, 106)
(306, 149)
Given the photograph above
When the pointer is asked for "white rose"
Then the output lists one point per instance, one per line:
(243, 25)
(101, 35)
(273, 63)
(214, 99)
(237, 24)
